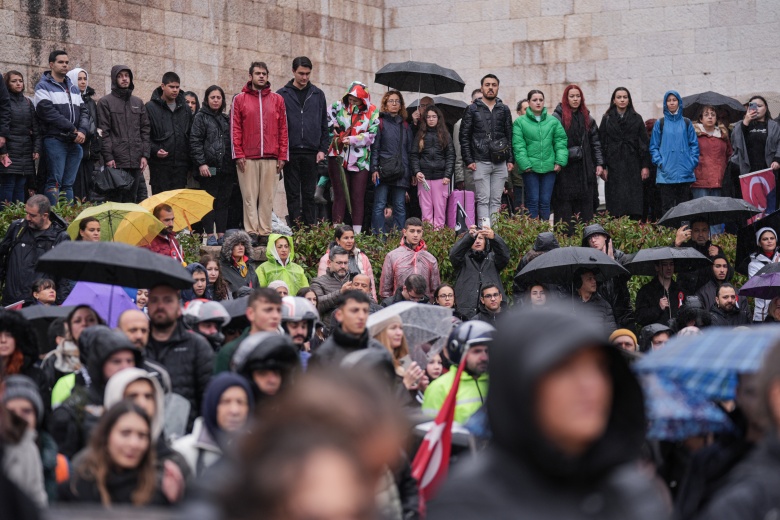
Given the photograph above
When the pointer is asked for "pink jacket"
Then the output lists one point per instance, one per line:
(403, 261)
(364, 265)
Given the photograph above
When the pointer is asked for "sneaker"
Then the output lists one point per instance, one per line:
(212, 241)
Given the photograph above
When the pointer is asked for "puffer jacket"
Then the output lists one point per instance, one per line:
(758, 261)
(229, 269)
(474, 129)
(599, 311)
(19, 253)
(71, 423)
(258, 124)
(522, 474)
(391, 130)
(675, 151)
(739, 316)
(339, 344)
(189, 359)
(328, 289)
(210, 141)
(124, 124)
(539, 145)
(433, 161)
(170, 131)
(24, 138)
(358, 264)
(59, 107)
(272, 269)
(475, 269)
(403, 261)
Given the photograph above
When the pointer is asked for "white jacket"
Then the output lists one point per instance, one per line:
(199, 449)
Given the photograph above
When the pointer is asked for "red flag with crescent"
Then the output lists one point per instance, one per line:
(758, 188)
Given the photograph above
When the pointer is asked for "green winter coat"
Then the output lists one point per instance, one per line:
(272, 269)
(539, 145)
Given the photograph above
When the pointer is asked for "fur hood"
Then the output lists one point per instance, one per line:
(233, 239)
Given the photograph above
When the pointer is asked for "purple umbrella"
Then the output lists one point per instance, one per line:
(109, 301)
(764, 286)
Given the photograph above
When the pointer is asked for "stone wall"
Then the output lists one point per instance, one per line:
(648, 46)
(204, 41)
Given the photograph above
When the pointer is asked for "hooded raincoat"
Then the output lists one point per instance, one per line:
(359, 123)
(523, 474)
(403, 261)
(675, 150)
(274, 269)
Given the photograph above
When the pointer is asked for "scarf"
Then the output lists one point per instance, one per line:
(419, 247)
(66, 357)
(241, 265)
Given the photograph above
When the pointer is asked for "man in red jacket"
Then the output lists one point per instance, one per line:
(165, 243)
(258, 126)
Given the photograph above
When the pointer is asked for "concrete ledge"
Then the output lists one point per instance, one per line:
(258, 253)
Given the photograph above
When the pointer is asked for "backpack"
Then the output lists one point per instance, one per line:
(661, 129)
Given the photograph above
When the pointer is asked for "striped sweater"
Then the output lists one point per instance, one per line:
(59, 107)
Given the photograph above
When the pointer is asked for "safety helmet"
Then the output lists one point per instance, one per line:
(296, 308)
(467, 334)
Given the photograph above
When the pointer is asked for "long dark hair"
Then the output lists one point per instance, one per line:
(83, 226)
(9, 75)
(768, 114)
(97, 463)
(211, 89)
(441, 129)
(613, 106)
(220, 286)
(436, 295)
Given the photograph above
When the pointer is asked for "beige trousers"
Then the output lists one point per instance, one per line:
(258, 186)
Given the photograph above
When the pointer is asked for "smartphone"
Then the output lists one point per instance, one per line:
(686, 223)
(485, 222)
(753, 107)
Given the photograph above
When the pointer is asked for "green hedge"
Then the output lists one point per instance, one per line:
(518, 231)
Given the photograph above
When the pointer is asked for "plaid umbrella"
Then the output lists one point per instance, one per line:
(675, 414)
(707, 365)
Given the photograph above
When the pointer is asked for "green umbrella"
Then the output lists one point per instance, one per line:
(121, 222)
(345, 186)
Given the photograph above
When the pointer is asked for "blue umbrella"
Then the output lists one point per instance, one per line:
(109, 301)
(707, 365)
(675, 414)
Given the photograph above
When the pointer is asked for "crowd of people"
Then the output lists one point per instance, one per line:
(259, 392)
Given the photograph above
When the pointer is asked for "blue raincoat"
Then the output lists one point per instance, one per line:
(677, 153)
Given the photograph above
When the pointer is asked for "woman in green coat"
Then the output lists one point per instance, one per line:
(541, 150)
(280, 265)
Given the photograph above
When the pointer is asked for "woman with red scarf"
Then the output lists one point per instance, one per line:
(576, 183)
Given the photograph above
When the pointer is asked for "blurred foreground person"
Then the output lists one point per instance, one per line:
(574, 452)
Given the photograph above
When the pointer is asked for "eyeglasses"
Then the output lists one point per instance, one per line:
(393, 101)
(494, 296)
(414, 297)
(447, 296)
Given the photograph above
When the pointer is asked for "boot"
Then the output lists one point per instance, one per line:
(319, 195)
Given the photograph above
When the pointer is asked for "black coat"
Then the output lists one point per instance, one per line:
(753, 489)
(625, 146)
(93, 143)
(433, 161)
(473, 270)
(474, 130)
(389, 135)
(5, 109)
(577, 179)
(120, 487)
(19, 254)
(522, 474)
(398, 297)
(307, 125)
(339, 344)
(740, 316)
(170, 131)
(210, 142)
(24, 137)
(648, 311)
(189, 359)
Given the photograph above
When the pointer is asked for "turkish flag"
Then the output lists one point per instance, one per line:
(432, 461)
(758, 188)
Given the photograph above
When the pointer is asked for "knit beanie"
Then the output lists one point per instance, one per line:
(378, 327)
(19, 386)
(761, 232)
(623, 332)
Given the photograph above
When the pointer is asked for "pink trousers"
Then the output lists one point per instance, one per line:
(434, 203)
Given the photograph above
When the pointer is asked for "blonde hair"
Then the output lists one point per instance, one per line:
(397, 353)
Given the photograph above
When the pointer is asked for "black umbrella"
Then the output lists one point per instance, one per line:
(236, 307)
(418, 76)
(685, 259)
(716, 210)
(114, 263)
(746, 239)
(452, 109)
(693, 105)
(40, 317)
(560, 265)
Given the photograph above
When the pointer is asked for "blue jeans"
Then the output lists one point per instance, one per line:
(538, 193)
(63, 160)
(398, 203)
(12, 188)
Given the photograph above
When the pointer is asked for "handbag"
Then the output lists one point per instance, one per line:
(498, 148)
(391, 169)
(575, 153)
(112, 180)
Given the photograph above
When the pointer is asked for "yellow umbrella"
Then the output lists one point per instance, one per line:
(189, 206)
(120, 222)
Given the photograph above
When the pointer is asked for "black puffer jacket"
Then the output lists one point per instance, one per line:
(474, 269)
(19, 253)
(189, 359)
(339, 344)
(170, 131)
(599, 311)
(522, 474)
(739, 316)
(433, 161)
(578, 178)
(73, 421)
(388, 137)
(474, 130)
(24, 137)
(210, 141)
(124, 124)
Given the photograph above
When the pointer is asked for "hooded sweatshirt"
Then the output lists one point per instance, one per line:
(115, 392)
(675, 150)
(360, 123)
(123, 124)
(523, 474)
(274, 269)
